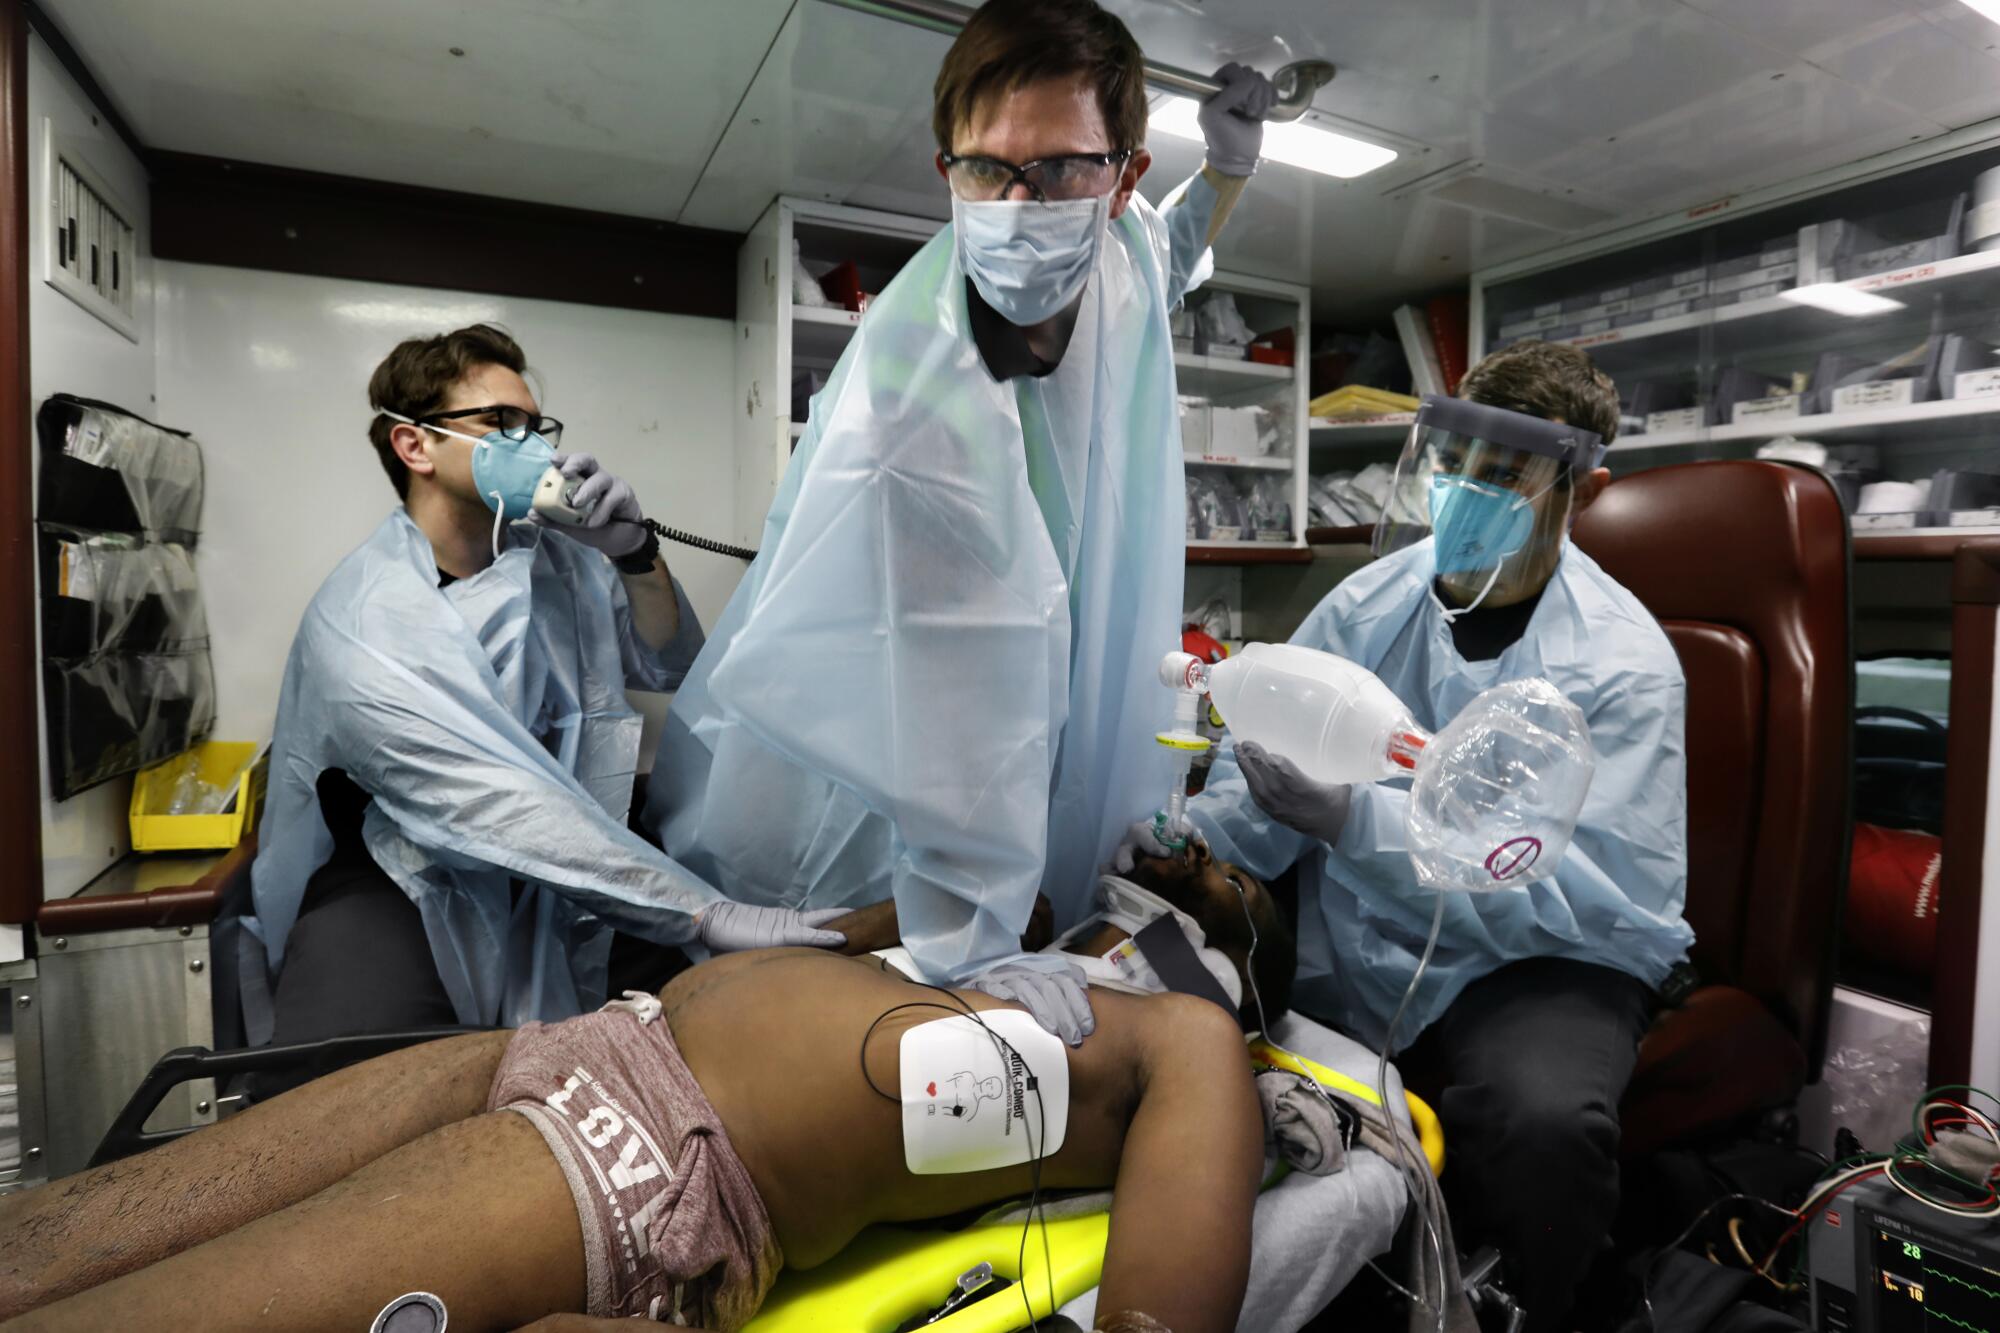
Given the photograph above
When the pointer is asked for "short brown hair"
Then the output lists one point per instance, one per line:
(1546, 380)
(1009, 44)
(416, 378)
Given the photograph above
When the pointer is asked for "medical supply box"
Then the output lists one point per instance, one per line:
(237, 764)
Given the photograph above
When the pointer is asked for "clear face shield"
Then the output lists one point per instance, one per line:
(1494, 489)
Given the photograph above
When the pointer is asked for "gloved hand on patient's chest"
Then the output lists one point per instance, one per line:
(1282, 791)
(731, 927)
(1059, 1000)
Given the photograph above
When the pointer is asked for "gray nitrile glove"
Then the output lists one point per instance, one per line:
(1143, 839)
(1232, 121)
(1057, 1000)
(610, 508)
(1316, 809)
(731, 927)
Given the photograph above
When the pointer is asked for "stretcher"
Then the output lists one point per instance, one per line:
(891, 1275)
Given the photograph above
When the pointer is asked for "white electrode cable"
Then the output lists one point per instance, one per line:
(1417, 1195)
(499, 517)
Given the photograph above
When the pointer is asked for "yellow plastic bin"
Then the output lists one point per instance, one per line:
(154, 830)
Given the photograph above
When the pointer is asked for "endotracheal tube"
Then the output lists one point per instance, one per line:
(1184, 744)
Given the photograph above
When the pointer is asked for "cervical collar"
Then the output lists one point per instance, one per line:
(1124, 967)
(1125, 905)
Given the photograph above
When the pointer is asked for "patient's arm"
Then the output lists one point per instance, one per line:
(75, 1233)
(1187, 1178)
(872, 928)
(868, 929)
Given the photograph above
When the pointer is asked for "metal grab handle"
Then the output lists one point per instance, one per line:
(1298, 83)
(128, 1133)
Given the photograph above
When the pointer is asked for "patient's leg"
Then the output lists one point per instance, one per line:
(75, 1233)
(477, 1212)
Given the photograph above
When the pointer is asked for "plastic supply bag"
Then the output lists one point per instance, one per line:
(1221, 323)
(1326, 502)
(1499, 788)
(1215, 510)
(805, 287)
(1270, 508)
(192, 796)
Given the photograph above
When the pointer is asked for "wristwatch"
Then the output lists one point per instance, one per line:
(642, 560)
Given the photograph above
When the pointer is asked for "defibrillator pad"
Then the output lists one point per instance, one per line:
(971, 1103)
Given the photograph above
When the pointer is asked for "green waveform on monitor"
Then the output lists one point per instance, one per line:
(1972, 1286)
(1939, 1314)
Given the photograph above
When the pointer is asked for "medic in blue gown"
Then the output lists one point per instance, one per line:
(1528, 1020)
(444, 838)
(936, 680)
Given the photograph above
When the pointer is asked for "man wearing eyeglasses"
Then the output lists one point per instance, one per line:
(445, 835)
(937, 682)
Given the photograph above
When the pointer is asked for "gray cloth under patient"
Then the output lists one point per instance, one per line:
(1300, 1123)
(1432, 1272)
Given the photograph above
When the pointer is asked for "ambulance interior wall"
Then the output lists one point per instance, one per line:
(270, 372)
(72, 351)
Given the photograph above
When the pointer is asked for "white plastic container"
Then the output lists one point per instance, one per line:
(1332, 718)
(1982, 220)
(1495, 794)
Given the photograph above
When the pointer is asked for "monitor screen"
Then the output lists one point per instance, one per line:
(1923, 1290)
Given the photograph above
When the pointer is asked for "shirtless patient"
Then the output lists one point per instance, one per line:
(766, 1147)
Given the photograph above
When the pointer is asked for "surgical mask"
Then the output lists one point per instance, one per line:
(1483, 527)
(505, 471)
(1029, 260)
(1477, 525)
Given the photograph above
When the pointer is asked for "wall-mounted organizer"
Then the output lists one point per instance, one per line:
(1853, 329)
(92, 248)
(125, 664)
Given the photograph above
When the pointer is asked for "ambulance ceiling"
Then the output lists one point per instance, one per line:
(1520, 121)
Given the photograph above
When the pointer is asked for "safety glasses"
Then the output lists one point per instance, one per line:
(974, 178)
(512, 422)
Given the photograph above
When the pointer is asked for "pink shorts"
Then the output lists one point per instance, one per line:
(673, 1228)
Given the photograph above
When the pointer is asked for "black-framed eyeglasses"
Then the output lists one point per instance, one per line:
(976, 178)
(512, 422)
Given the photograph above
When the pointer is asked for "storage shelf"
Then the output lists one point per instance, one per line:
(1966, 286)
(1230, 461)
(1949, 418)
(1673, 439)
(1916, 543)
(822, 333)
(1206, 376)
(1969, 279)
(1247, 553)
(1389, 428)
(1357, 535)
